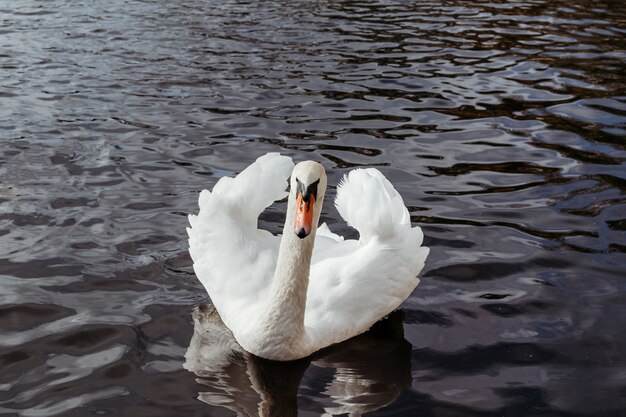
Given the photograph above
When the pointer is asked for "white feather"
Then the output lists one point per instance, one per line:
(352, 283)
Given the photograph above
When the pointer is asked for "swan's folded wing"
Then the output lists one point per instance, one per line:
(234, 259)
(355, 283)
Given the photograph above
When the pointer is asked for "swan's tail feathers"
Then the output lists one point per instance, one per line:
(370, 204)
(324, 231)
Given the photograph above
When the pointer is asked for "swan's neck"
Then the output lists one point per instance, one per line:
(284, 319)
(291, 279)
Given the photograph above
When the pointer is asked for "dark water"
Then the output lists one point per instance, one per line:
(503, 125)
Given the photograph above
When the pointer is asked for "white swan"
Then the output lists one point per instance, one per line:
(287, 297)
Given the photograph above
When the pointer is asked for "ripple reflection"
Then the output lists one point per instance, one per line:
(360, 375)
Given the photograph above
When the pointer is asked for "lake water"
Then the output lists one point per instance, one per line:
(502, 124)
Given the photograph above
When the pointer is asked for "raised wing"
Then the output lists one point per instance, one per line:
(354, 283)
(234, 259)
(370, 204)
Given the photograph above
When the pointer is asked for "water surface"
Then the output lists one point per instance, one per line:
(502, 124)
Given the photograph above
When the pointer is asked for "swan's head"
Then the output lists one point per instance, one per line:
(308, 185)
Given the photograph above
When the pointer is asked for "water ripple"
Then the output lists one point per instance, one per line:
(502, 125)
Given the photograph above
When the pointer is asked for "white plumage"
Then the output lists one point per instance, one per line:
(290, 305)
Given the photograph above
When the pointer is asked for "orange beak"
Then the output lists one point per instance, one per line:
(304, 216)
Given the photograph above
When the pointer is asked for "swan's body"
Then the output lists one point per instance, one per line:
(287, 297)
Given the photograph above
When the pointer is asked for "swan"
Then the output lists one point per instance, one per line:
(285, 297)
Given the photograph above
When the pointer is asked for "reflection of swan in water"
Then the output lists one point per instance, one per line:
(368, 371)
